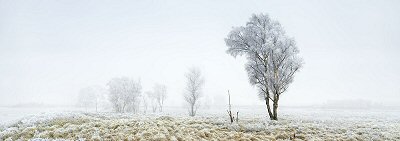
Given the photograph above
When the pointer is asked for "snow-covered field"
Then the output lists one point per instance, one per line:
(210, 124)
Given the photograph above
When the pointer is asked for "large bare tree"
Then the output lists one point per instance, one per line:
(272, 57)
(193, 90)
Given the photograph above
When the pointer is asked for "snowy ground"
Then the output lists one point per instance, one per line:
(210, 124)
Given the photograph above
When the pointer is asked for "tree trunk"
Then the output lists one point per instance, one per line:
(275, 107)
(268, 107)
(191, 110)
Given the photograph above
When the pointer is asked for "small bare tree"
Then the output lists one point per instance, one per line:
(92, 96)
(153, 100)
(193, 90)
(86, 98)
(232, 117)
(160, 92)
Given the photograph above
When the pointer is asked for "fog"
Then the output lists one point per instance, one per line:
(49, 50)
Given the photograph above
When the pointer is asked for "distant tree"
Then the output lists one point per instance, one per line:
(272, 57)
(92, 96)
(193, 90)
(153, 100)
(124, 94)
(85, 98)
(160, 92)
(145, 100)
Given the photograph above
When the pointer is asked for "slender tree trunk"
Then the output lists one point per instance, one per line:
(229, 110)
(268, 107)
(191, 110)
(275, 107)
(276, 97)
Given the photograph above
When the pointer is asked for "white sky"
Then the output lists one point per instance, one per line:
(50, 49)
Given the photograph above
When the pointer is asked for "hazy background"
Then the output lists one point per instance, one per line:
(51, 49)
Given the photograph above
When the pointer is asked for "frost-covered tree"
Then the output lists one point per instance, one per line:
(160, 92)
(124, 94)
(93, 96)
(85, 98)
(193, 90)
(157, 97)
(272, 57)
(153, 100)
(145, 100)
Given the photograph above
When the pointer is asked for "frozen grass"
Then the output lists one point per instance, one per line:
(292, 125)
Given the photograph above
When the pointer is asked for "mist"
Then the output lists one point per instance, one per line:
(49, 50)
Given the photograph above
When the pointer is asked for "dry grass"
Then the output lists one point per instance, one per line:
(100, 127)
